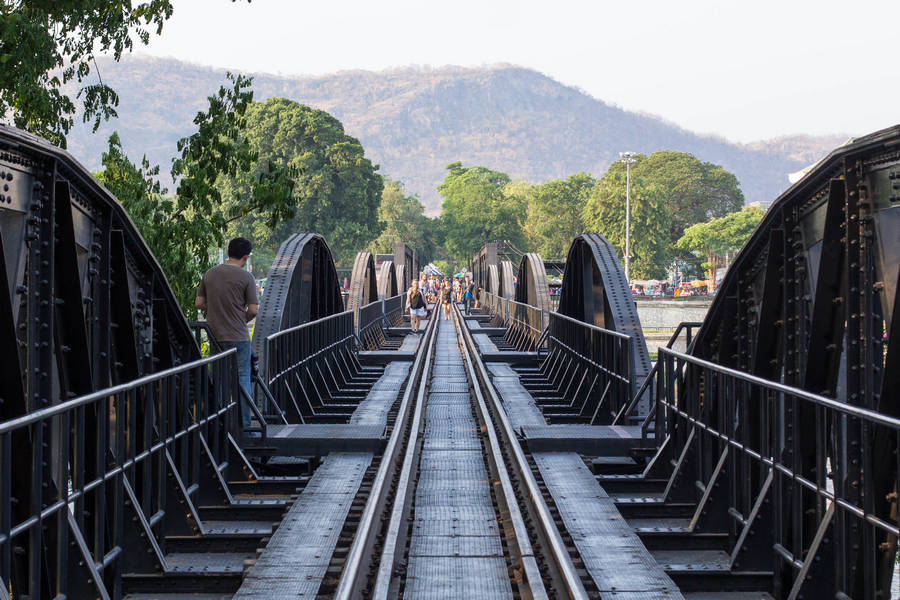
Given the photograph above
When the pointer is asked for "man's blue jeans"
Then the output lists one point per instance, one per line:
(243, 364)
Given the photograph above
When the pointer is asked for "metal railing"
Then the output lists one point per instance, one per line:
(394, 309)
(260, 399)
(645, 397)
(525, 326)
(375, 317)
(371, 325)
(308, 365)
(93, 486)
(590, 365)
(554, 302)
(794, 472)
(497, 307)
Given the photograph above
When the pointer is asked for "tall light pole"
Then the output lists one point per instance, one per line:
(629, 159)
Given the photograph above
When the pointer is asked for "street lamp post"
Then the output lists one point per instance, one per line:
(628, 159)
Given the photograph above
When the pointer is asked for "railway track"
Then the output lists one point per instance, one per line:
(454, 506)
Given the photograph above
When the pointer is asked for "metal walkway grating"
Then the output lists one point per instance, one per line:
(613, 554)
(455, 549)
(296, 558)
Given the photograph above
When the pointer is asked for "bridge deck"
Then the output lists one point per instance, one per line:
(374, 409)
(296, 558)
(455, 546)
(613, 554)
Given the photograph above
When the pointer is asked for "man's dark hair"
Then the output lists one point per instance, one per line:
(239, 247)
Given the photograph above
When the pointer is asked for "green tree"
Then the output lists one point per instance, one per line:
(336, 190)
(715, 238)
(670, 191)
(403, 219)
(695, 191)
(478, 208)
(47, 57)
(197, 216)
(604, 213)
(554, 214)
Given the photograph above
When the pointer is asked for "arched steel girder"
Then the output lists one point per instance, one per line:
(302, 286)
(405, 264)
(493, 279)
(507, 285)
(532, 285)
(482, 261)
(387, 280)
(811, 302)
(594, 290)
(401, 277)
(826, 253)
(363, 282)
(84, 304)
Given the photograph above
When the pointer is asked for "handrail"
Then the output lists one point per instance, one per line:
(278, 334)
(823, 401)
(645, 385)
(597, 328)
(51, 411)
(114, 448)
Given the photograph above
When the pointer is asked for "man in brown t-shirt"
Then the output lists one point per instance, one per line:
(227, 293)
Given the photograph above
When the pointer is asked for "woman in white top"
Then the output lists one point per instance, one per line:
(415, 304)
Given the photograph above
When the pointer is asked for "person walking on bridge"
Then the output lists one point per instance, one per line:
(469, 295)
(446, 299)
(415, 304)
(227, 293)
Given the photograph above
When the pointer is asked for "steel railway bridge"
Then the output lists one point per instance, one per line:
(516, 452)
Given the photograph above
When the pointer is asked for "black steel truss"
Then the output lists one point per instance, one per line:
(113, 431)
(531, 285)
(594, 290)
(302, 286)
(363, 283)
(781, 428)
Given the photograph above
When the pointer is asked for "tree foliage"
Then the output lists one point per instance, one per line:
(182, 230)
(403, 219)
(335, 188)
(48, 51)
(670, 191)
(715, 238)
(651, 220)
(477, 208)
(696, 191)
(554, 215)
(46, 45)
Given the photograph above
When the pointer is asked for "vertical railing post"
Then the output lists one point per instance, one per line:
(5, 506)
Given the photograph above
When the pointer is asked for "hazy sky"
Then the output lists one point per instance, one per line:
(745, 70)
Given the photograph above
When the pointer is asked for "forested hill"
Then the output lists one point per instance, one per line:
(413, 122)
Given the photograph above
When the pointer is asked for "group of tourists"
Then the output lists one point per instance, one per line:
(228, 295)
(423, 292)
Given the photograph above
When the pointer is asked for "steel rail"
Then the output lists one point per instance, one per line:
(353, 578)
(520, 542)
(404, 489)
(556, 550)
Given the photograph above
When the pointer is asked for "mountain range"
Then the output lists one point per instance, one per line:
(415, 121)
